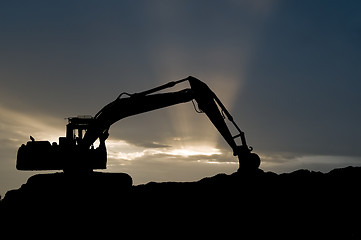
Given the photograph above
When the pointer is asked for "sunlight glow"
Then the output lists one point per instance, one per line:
(217, 162)
(194, 134)
(121, 150)
(17, 127)
(193, 151)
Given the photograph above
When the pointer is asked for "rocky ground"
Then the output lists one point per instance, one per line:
(301, 204)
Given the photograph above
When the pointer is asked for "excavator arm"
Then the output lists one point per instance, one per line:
(149, 100)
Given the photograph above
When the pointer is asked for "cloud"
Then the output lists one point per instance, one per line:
(153, 165)
(154, 145)
(279, 157)
(178, 161)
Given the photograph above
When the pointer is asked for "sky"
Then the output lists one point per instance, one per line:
(288, 71)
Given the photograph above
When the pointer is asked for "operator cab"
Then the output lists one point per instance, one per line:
(77, 127)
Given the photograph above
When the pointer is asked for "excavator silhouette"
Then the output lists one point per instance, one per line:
(75, 152)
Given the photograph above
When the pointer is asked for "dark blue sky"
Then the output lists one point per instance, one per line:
(289, 71)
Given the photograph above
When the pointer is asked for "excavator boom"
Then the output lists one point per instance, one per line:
(88, 131)
(129, 106)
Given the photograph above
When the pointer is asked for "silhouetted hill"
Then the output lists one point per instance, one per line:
(301, 204)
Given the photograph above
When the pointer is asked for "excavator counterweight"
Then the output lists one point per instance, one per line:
(41, 155)
(75, 152)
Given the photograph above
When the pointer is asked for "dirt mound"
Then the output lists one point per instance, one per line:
(259, 204)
